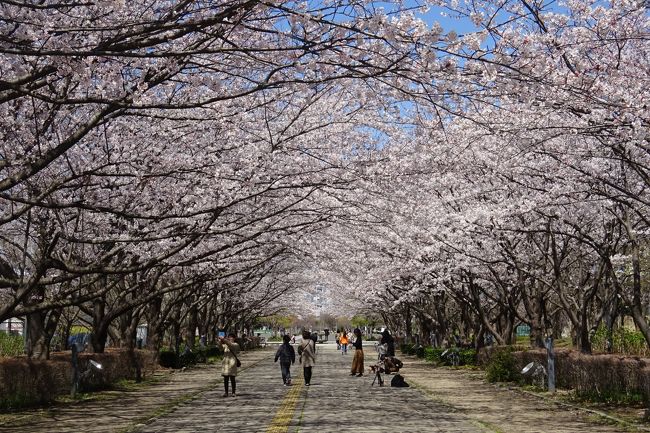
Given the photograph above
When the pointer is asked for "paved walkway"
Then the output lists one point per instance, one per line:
(439, 400)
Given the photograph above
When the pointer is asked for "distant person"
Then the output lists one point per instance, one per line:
(229, 362)
(293, 339)
(388, 340)
(287, 356)
(186, 349)
(307, 352)
(357, 361)
(344, 343)
(338, 340)
(314, 338)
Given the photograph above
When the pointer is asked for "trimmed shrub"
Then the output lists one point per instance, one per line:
(467, 357)
(432, 354)
(502, 367)
(620, 340)
(186, 359)
(11, 345)
(406, 348)
(212, 351)
(167, 359)
(605, 378)
(25, 382)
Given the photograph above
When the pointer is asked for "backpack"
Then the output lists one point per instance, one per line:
(398, 381)
(392, 364)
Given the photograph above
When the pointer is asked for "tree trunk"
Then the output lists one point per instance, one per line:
(584, 342)
(636, 305)
(155, 321)
(98, 338)
(190, 328)
(537, 328)
(408, 331)
(99, 333)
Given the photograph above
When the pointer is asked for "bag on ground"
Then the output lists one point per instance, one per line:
(398, 381)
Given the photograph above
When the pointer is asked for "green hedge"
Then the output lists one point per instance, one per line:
(502, 367)
(11, 345)
(621, 340)
(169, 358)
(412, 349)
(465, 356)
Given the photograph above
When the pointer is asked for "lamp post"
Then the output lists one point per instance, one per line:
(550, 354)
(76, 374)
(75, 370)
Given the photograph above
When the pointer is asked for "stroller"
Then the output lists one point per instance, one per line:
(384, 365)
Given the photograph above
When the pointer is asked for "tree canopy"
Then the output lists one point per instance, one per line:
(205, 163)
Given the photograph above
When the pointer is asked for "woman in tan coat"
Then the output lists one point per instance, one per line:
(307, 352)
(229, 362)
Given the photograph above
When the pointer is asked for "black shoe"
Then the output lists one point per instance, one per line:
(360, 374)
(225, 394)
(352, 374)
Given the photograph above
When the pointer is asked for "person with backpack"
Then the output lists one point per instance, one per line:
(287, 356)
(344, 343)
(307, 352)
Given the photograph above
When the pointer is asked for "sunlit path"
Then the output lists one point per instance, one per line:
(339, 402)
(439, 400)
(334, 402)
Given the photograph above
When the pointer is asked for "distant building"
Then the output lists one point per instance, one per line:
(13, 325)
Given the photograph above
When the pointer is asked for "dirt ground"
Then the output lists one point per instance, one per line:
(509, 408)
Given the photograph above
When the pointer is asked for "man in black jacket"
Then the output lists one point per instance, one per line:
(287, 356)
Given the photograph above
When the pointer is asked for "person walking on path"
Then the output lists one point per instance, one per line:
(307, 353)
(287, 356)
(314, 338)
(388, 340)
(338, 341)
(344, 343)
(357, 361)
(229, 362)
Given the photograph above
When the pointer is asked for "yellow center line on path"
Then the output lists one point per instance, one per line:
(284, 415)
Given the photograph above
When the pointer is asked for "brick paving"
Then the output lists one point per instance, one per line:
(439, 400)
